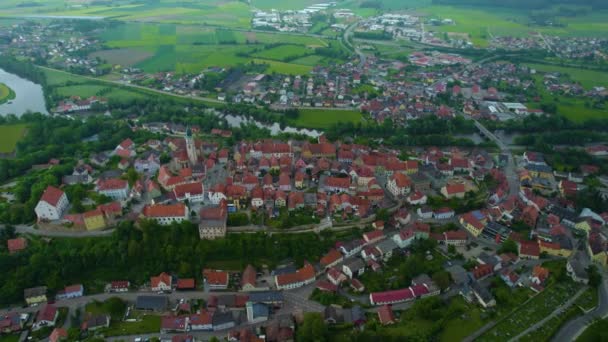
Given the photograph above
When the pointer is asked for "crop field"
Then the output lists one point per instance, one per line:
(587, 78)
(124, 57)
(10, 136)
(283, 52)
(318, 118)
(157, 47)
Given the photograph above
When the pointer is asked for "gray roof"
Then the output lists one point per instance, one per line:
(34, 291)
(260, 310)
(355, 264)
(220, 318)
(155, 303)
(387, 245)
(458, 273)
(266, 297)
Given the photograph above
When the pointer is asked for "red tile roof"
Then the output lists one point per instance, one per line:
(454, 188)
(165, 210)
(529, 248)
(163, 277)
(385, 315)
(332, 256)
(482, 271)
(394, 296)
(215, 277)
(186, 284)
(193, 189)
(51, 195)
(112, 184)
(401, 180)
(337, 182)
(47, 313)
(307, 272)
(15, 245)
(249, 276)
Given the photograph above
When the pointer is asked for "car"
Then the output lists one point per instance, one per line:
(137, 339)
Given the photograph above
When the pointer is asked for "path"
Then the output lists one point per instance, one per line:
(574, 328)
(25, 229)
(555, 312)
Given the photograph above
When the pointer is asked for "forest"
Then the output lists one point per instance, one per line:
(136, 254)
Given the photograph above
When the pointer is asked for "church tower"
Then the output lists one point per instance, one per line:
(191, 147)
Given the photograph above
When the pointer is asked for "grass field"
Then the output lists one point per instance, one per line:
(316, 118)
(9, 136)
(587, 78)
(6, 93)
(147, 324)
(157, 47)
(284, 68)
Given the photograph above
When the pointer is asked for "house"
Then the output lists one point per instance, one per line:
(184, 284)
(472, 224)
(404, 238)
(162, 282)
(386, 248)
(118, 286)
(373, 236)
(151, 303)
(576, 268)
(16, 245)
(172, 323)
(444, 213)
(399, 184)
(52, 204)
(94, 219)
(165, 214)
(215, 279)
(528, 250)
(71, 291)
(46, 317)
(213, 221)
(416, 198)
(125, 149)
(353, 268)
(456, 190)
(391, 297)
(539, 275)
(201, 321)
(116, 189)
(12, 322)
(385, 315)
(94, 322)
(454, 238)
(191, 192)
(299, 278)
(222, 320)
(257, 312)
(509, 277)
(351, 248)
(35, 295)
(330, 259)
(58, 334)
(483, 295)
(335, 184)
(248, 279)
(270, 298)
(335, 276)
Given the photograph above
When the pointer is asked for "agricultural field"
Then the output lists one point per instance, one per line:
(6, 93)
(10, 136)
(319, 118)
(587, 78)
(284, 68)
(191, 49)
(220, 13)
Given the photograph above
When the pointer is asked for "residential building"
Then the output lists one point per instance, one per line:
(46, 317)
(353, 268)
(302, 276)
(162, 282)
(71, 291)
(215, 279)
(52, 204)
(35, 295)
(116, 189)
(165, 214)
(212, 223)
(94, 219)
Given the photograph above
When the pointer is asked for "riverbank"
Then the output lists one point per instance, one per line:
(6, 93)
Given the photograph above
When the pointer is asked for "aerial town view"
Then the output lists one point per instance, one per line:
(304, 170)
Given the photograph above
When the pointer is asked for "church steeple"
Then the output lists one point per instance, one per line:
(191, 147)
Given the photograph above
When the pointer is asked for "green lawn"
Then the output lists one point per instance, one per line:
(283, 51)
(318, 118)
(597, 331)
(9, 338)
(552, 326)
(9, 136)
(588, 300)
(6, 93)
(284, 68)
(147, 324)
(460, 327)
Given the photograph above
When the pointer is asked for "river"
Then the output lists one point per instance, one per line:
(29, 96)
(236, 121)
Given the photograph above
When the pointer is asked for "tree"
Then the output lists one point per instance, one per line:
(595, 278)
(442, 279)
(509, 246)
(313, 329)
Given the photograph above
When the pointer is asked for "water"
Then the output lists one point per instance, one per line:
(28, 96)
(236, 121)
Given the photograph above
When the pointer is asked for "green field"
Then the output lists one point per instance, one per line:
(190, 49)
(9, 136)
(587, 78)
(595, 332)
(147, 324)
(284, 68)
(319, 118)
(6, 93)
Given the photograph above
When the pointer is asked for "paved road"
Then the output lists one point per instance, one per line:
(25, 229)
(574, 328)
(556, 312)
(346, 38)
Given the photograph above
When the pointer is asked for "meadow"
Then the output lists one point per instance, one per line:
(10, 136)
(6, 93)
(587, 78)
(321, 119)
(157, 47)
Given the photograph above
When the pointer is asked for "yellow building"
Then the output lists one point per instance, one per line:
(554, 249)
(35, 295)
(583, 225)
(94, 220)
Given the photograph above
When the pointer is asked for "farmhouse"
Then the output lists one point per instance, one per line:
(52, 204)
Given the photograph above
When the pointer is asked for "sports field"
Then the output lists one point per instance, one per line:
(318, 118)
(9, 136)
(6, 93)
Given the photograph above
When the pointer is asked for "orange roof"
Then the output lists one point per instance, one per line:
(540, 272)
(187, 283)
(162, 210)
(195, 188)
(249, 276)
(51, 195)
(112, 184)
(402, 180)
(214, 277)
(454, 188)
(15, 245)
(93, 213)
(307, 272)
(330, 257)
(163, 277)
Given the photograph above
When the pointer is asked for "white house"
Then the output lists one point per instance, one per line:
(162, 282)
(303, 276)
(191, 192)
(116, 189)
(166, 214)
(404, 238)
(353, 268)
(399, 184)
(52, 204)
